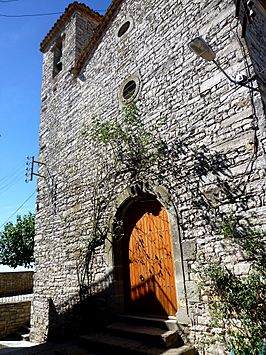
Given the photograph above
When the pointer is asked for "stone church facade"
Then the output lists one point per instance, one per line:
(139, 51)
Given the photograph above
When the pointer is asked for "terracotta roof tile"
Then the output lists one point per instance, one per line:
(95, 40)
(97, 36)
(66, 15)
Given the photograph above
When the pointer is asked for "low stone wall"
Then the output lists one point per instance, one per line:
(13, 316)
(16, 283)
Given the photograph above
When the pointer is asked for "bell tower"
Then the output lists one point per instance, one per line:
(66, 40)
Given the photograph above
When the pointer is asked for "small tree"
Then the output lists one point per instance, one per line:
(16, 242)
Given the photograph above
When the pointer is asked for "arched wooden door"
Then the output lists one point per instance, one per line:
(151, 280)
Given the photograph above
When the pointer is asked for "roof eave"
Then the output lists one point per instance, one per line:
(63, 18)
(100, 29)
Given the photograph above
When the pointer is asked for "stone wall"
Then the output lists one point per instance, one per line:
(13, 316)
(16, 283)
(213, 119)
(74, 37)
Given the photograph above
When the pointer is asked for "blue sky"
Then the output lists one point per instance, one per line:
(20, 63)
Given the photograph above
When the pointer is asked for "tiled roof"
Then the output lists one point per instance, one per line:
(99, 31)
(95, 40)
(66, 15)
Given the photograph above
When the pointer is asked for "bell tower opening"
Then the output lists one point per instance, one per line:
(58, 57)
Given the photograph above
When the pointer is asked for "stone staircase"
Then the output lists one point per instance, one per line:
(138, 335)
(24, 333)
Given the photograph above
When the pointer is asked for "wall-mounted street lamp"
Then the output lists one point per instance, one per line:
(202, 49)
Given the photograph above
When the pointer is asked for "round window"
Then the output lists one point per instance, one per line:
(123, 29)
(129, 90)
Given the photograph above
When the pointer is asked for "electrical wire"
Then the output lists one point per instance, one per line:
(5, 1)
(10, 183)
(4, 180)
(32, 15)
(38, 15)
(12, 215)
(253, 158)
(260, 72)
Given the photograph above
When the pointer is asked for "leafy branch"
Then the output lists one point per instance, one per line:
(237, 303)
(129, 152)
(16, 242)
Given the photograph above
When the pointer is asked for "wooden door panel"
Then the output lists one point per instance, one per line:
(151, 267)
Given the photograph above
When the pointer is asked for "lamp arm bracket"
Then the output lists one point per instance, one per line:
(232, 80)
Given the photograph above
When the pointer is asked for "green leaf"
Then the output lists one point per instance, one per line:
(17, 242)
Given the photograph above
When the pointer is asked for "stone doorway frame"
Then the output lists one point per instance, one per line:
(114, 258)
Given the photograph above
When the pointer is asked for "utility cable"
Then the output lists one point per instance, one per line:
(38, 15)
(260, 72)
(4, 180)
(253, 158)
(10, 183)
(12, 215)
(232, 80)
(32, 15)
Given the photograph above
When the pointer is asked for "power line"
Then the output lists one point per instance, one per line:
(8, 1)
(12, 215)
(6, 178)
(10, 183)
(32, 15)
(37, 15)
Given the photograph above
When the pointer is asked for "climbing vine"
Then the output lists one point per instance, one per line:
(134, 146)
(129, 152)
(237, 303)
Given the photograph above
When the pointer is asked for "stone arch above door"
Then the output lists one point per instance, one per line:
(128, 197)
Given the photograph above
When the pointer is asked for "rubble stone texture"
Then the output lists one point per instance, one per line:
(13, 317)
(202, 108)
(15, 283)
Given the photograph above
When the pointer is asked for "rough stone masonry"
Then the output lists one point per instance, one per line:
(87, 65)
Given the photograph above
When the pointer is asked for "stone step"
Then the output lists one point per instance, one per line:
(163, 323)
(25, 336)
(150, 335)
(22, 334)
(108, 343)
